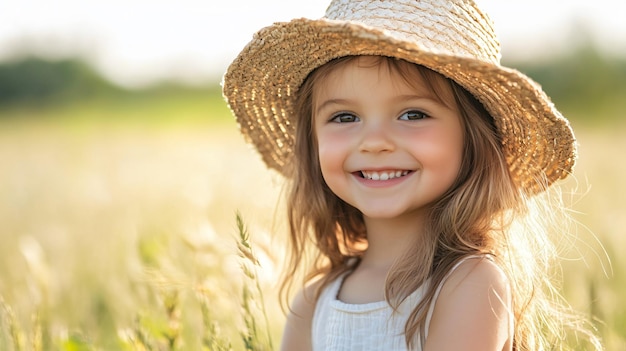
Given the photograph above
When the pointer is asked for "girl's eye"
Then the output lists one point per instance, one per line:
(344, 118)
(413, 115)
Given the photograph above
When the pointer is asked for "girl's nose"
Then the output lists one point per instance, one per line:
(376, 138)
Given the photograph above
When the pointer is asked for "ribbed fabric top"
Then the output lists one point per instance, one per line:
(372, 326)
(340, 326)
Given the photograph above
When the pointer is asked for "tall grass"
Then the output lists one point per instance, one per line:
(123, 236)
(161, 326)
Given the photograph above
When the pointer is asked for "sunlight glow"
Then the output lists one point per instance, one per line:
(140, 41)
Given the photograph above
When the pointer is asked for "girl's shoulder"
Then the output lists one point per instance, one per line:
(297, 331)
(474, 303)
(475, 270)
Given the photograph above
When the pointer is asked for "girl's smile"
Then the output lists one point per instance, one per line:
(383, 175)
(386, 146)
(382, 179)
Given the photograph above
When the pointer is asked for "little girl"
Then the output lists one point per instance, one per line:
(416, 165)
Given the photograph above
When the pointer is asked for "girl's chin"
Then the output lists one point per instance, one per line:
(385, 213)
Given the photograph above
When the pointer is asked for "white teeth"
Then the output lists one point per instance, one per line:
(374, 175)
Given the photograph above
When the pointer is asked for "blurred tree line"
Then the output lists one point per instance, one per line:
(585, 84)
(33, 80)
(581, 81)
(40, 83)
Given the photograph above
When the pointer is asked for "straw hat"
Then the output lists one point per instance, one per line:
(452, 37)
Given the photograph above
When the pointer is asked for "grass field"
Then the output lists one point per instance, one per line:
(118, 229)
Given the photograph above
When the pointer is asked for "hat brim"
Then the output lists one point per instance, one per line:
(261, 84)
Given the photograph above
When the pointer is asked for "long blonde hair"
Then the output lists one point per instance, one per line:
(483, 212)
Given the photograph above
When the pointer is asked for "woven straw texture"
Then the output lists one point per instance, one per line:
(454, 38)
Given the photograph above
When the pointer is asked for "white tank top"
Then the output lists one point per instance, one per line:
(371, 326)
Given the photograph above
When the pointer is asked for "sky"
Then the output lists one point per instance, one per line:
(137, 42)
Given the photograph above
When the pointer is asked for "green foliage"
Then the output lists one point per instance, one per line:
(586, 85)
(37, 81)
(71, 91)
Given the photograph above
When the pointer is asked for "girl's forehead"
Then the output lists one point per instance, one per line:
(402, 76)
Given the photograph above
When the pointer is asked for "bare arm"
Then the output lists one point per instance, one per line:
(297, 332)
(473, 311)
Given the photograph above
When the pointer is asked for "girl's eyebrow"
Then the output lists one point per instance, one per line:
(421, 97)
(410, 97)
(328, 102)
(397, 99)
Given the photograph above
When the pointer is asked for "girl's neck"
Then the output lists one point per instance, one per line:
(389, 238)
(387, 241)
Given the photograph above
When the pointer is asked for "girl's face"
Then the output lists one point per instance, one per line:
(387, 148)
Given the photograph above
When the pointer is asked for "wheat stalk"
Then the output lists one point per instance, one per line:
(17, 336)
(250, 335)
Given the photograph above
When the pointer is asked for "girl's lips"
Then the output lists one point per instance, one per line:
(382, 175)
(382, 179)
